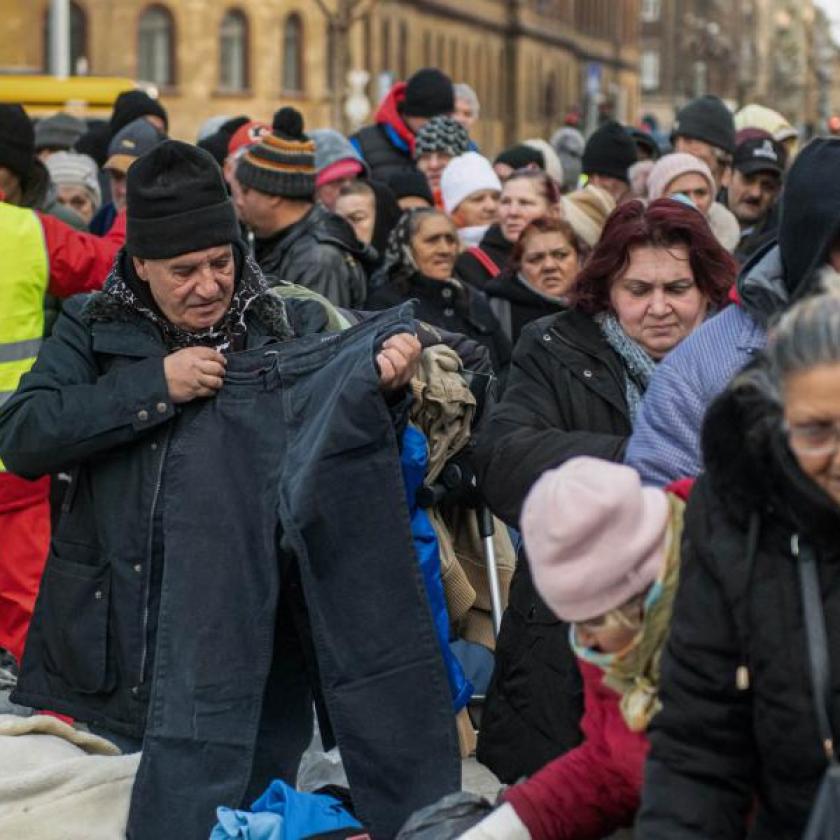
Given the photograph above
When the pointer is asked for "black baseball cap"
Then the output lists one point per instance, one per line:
(759, 154)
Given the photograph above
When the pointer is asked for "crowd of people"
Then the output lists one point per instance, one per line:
(261, 393)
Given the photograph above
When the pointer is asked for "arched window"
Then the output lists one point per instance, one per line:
(78, 41)
(156, 47)
(233, 51)
(293, 54)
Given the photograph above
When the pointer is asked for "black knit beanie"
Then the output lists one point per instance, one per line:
(177, 202)
(428, 94)
(17, 140)
(132, 104)
(283, 162)
(609, 151)
(217, 142)
(521, 157)
(410, 183)
(708, 119)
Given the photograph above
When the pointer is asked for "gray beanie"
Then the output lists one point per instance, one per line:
(60, 131)
(332, 146)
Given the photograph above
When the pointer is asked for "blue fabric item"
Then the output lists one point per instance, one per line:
(415, 459)
(302, 814)
(243, 825)
(477, 662)
(665, 444)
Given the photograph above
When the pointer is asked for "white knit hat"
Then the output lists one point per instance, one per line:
(74, 169)
(464, 175)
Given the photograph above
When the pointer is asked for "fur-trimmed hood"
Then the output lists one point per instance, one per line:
(749, 463)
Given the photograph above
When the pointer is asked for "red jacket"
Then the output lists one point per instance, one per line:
(78, 262)
(594, 789)
(388, 114)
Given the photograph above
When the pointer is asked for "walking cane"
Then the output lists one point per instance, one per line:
(487, 529)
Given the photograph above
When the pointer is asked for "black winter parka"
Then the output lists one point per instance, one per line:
(735, 758)
(96, 404)
(565, 396)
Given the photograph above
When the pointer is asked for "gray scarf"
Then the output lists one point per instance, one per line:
(638, 366)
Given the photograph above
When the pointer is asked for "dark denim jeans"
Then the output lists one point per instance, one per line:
(295, 459)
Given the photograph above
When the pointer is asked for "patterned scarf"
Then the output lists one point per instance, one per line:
(638, 366)
(228, 335)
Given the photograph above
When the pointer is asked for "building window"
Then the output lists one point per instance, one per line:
(78, 41)
(649, 70)
(156, 47)
(293, 54)
(651, 10)
(233, 51)
(427, 49)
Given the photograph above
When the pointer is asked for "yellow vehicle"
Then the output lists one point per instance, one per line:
(82, 96)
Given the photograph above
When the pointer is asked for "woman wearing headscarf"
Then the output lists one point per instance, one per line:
(419, 265)
(575, 385)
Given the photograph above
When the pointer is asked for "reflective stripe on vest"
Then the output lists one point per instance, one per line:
(24, 275)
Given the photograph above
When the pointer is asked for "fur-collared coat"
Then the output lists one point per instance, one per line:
(735, 751)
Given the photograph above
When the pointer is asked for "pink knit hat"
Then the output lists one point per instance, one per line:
(594, 536)
(671, 166)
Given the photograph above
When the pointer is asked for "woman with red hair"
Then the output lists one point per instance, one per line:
(574, 387)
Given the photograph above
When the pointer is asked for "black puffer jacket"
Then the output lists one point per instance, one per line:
(565, 397)
(320, 252)
(717, 751)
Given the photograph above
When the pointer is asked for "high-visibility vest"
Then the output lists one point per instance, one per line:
(24, 276)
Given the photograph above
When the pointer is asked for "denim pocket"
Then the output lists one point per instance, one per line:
(74, 602)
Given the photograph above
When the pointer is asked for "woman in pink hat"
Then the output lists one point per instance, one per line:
(610, 570)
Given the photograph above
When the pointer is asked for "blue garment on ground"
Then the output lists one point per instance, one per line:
(415, 459)
(283, 813)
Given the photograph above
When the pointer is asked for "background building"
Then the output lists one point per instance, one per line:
(775, 52)
(529, 60)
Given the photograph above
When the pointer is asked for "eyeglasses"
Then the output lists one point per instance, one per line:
(814, 439)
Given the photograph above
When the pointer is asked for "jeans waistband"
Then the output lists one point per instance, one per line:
(261, 366)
